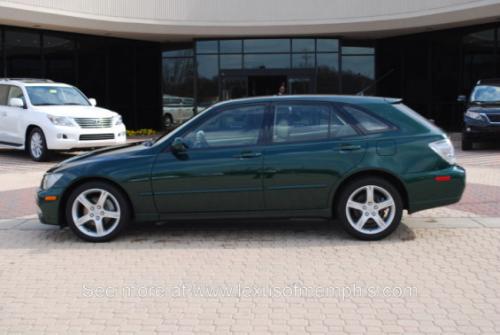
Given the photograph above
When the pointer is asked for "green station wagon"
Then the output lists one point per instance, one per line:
(359, 161)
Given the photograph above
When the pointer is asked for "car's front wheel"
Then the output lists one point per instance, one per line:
(370, 208)
(97, 211)
(37, 145)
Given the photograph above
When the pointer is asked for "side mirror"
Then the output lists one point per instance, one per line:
(16, 102)
(93, 102)
(178, 146)
(462, 98)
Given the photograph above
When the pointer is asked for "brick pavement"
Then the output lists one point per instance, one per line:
(438, 273)
(50, 281)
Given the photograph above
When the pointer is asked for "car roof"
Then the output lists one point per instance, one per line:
(490, 81)
(30, 82)
(354, 99)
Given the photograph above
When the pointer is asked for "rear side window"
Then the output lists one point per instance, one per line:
(366, 121)
(297, 122)
(4, 92)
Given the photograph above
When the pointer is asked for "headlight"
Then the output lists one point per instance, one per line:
(50, 179)
(117, 120)
(474, 115)
(444, 148)
(61, 121)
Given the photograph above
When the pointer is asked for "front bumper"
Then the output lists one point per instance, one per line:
(68, 138)
(425, 191)
(48, 211)
(487, 131)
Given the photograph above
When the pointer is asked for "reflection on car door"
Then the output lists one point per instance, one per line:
(221, 168)
(312, 148)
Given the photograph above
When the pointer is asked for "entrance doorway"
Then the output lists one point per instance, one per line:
(265, 85)
(240, 84)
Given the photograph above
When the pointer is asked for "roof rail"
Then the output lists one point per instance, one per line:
(36, 80)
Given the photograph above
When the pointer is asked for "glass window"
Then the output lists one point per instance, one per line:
(59, 56)
(208, 80)
(358, 72)
(339, 127)
(266, 45)
(328, 73)
(15, 92)
(229, 128)
(178, 82)
(23, 54)
(56, 95)
(303, 61)
(187, 52)
(366, 121)
(296, 123)
(303, 45)
(231, 46)
(207, 47)
(327, 45)
(229, 62)
(4, 92)
(272, 61)
(358, 51)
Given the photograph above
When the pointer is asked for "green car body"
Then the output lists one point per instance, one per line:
(266, 180)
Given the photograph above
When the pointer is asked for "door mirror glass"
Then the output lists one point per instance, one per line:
(93, 102)
(16, 102)
(462, 98)
(178, 146)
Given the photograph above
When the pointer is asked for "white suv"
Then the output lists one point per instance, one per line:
(39, 115)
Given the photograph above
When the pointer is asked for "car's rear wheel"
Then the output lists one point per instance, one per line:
(36, 145)
(370, 208)
(97, 211)
(467, 144)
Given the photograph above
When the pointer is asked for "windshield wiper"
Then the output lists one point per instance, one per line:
(45, 104)
(72, 104)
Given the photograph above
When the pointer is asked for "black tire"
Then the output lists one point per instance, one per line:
(168, 121)
(467, 144)
(124, 209)
(41, 155)
(353, 188)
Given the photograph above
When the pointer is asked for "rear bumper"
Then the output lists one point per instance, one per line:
(425, 192)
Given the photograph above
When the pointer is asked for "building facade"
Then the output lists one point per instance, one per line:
(141, 58)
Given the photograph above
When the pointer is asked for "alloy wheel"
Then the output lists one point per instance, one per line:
(36, 145)
(96, 212)
(370, 209)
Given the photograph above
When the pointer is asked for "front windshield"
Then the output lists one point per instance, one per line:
(484, 93)
(56, 96)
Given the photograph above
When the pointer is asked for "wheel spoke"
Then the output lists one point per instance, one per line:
(99, 228)
(379, 221)
(361, 222)
(102, 199)
(355, 205)
(84, 219)
(385, 204)
(370, 194)
(111, 215)
(85, 202)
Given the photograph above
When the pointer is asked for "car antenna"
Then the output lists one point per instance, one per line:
(362, 92)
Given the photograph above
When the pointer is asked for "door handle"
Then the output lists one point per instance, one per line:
(248, 155)
(350, 147)
(4, 114)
